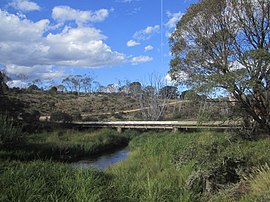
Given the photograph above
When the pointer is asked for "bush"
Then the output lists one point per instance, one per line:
(61, 117)
(10, 135)
(30, 117)
(76, 116)
(53, 90)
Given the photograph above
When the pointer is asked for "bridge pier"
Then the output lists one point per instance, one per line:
(119, 130)
(175, 130)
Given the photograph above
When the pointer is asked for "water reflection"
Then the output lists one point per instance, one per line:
(103, 161)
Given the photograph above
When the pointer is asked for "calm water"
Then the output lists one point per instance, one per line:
(103, 161)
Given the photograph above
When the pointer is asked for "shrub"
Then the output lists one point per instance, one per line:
(10, 135)
(53, 90)
(61, 117)
(76, 116)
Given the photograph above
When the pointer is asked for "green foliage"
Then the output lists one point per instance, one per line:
(53, 90)
(59, 116)
(168, 92)
(11, 136)
(3, 80)
(218, 46)
(69, 145)
(48, 181)
(201, 166)
(187, 167)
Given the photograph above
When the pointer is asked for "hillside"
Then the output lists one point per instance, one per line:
(109, 106)
(92, 106)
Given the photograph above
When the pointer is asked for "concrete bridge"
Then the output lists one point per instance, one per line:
(173, 125)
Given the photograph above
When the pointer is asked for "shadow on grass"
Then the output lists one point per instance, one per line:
(63, 153)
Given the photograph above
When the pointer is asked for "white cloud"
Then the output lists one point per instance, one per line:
(132, 43)
(82, 47)
(146, 33)
(168, 79)
(65, 13)
(42, 72)
(148, 48)
(17, 83)
(173, 19)
(234, 66)
(181, 75)
(24, 45)
(14, 29)
(24, 5)
(141, 59)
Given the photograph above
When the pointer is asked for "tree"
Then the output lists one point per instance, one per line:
(53, 90)
(225, 45)
(153, 105)
(3, 81)
(135, 88)
(68, 83)
(169, 92)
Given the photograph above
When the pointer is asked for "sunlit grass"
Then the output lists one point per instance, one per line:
(48, 181)
(159, 168)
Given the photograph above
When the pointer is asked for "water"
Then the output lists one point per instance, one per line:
(102, 162)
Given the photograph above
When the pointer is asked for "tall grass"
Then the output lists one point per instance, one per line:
(68, 145)
(160, 167)
(47, 181)
(10, 134)
(149, 174)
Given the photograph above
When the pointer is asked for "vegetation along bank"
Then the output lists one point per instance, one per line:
(161, 166)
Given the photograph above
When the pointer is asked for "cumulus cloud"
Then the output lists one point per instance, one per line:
(132, 43)
(146, 33)
(24, 5)
(65, 13)
(17, 83)
(24, 45)
(148, 48)
(141, 59)
(173, 19)
(43, 72)
(168, 79)
(83, 47)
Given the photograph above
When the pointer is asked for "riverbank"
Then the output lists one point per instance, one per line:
(202, 166)
(67, 145)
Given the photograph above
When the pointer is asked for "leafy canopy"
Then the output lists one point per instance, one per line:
(224, 44)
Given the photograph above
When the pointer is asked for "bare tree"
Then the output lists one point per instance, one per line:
(152, 101)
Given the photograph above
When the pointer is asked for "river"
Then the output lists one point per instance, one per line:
(102, 162)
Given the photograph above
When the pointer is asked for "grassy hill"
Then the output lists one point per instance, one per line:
(109, 106)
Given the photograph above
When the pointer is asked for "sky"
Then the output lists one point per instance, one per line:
(111, 40)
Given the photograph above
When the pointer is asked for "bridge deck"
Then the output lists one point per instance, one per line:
(158, 124)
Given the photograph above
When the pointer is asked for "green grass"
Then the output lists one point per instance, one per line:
(166, 167)
(48, 181)
(68, 145)
(201, 166)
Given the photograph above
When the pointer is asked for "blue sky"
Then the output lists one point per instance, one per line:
(114, 40)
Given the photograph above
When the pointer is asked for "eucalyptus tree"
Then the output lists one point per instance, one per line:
(224, 44)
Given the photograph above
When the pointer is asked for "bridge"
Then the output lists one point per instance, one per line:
(173, 125)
